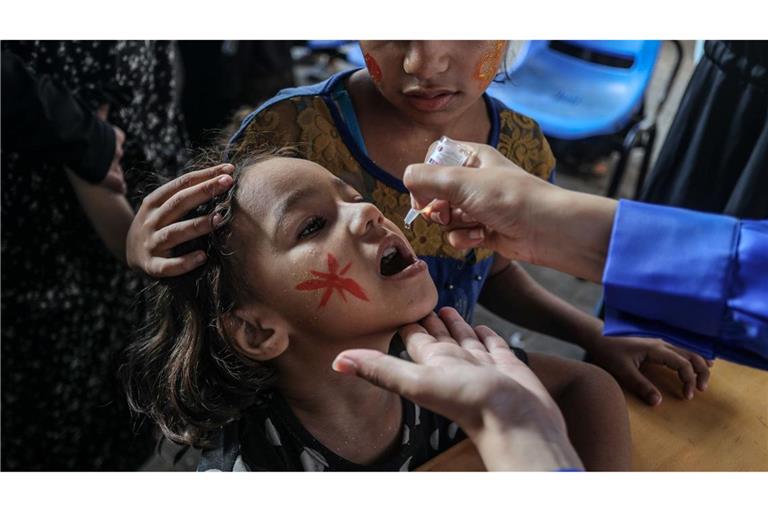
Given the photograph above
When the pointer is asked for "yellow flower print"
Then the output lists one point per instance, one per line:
(306, 118)
(386, 199)
(319, 132)
(522, 142)
(378, 195)
(425, 237)
(267, 121)
(389, 204)
(481, 254)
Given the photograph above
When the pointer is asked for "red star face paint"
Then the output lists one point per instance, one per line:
(333, 280)
(489, 63)
(373, 67)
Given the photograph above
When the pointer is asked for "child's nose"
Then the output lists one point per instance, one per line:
(365, 218)
(425, 59)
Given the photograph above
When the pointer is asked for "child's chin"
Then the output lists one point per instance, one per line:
(423, 308)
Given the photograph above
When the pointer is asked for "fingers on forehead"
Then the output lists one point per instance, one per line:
(185, 200)
(189, 179)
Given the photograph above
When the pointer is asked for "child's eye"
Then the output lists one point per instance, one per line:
(315, 224)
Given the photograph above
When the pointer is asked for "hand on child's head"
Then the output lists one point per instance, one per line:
(158, 228)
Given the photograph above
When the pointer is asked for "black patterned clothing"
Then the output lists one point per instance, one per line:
(68, 307)
(715, 156)
(269, 437)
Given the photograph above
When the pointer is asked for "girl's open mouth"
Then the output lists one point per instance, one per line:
(397, 260)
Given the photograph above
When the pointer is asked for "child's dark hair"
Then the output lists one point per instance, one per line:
(183, 371)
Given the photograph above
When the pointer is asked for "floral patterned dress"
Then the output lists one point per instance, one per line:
(68, 307)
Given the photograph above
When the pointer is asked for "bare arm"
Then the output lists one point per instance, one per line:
(109, 213)
(514, 295)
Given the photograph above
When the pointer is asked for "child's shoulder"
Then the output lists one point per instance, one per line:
(522, 141)
(289, 108)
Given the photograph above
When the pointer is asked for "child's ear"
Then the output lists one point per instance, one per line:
(258, 332)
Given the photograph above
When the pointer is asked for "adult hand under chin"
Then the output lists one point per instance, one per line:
(472, 377)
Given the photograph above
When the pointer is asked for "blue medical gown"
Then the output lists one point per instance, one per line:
(697, 280)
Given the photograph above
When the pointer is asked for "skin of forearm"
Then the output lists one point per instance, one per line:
(571, 232)
(515, 296)
(110, 213)
(535, 445)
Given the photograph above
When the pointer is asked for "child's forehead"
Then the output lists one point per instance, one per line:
(265, 185)
(280, 175)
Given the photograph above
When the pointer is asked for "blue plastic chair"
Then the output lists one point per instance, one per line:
(326, 44)
(587, 93)
(355, 55)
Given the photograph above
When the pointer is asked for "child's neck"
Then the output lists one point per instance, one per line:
(350, 416)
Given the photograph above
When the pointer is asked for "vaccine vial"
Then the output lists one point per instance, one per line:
(449, 152)
(446, 152)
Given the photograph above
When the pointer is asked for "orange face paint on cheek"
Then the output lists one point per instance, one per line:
(489, 63)
(373, 67)
(333, 280)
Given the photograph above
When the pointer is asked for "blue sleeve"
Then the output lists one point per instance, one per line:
(697, 280)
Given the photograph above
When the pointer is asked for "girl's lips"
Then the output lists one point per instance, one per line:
(430, 102)
(414, 269)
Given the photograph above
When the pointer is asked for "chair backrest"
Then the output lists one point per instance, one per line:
(638, 56)
(354, 54)
(326, 44)
(578, 89)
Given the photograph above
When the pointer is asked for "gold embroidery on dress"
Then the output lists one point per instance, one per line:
(521, 140)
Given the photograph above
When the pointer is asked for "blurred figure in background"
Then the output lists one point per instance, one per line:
(68, 305)
(715, 157)
(221, 77)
